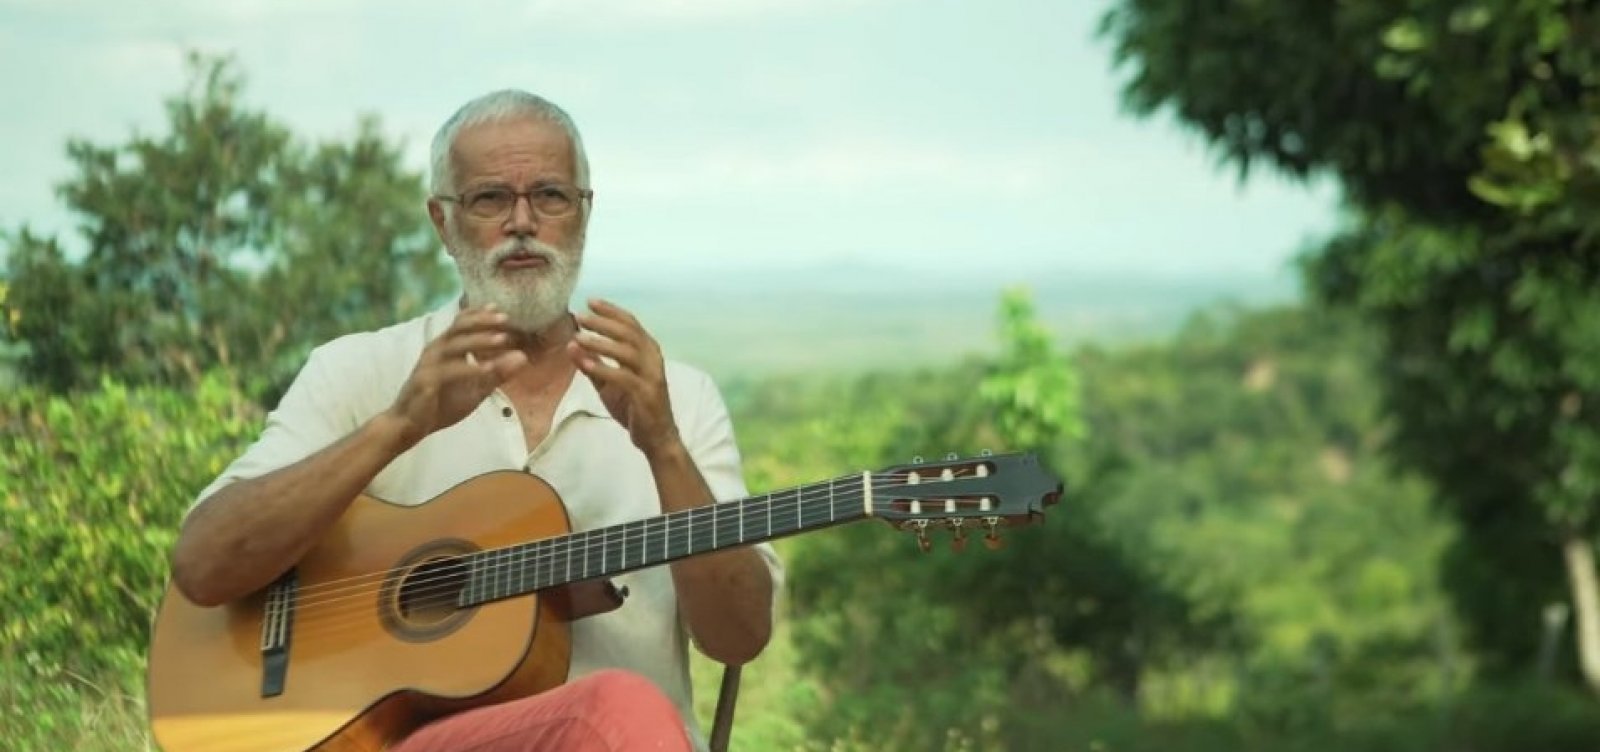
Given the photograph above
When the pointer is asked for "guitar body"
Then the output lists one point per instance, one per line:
(369, 657)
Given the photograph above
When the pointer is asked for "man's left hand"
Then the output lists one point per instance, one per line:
(635, 388)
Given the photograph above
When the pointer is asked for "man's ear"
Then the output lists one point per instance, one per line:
(437, 217)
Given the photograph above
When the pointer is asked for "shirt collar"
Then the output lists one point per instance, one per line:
(581, 398)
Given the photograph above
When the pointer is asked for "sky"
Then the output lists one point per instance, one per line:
(949, 136)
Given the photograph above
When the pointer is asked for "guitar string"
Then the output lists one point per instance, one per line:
(345, 615)
(332, 614)
(567, 544)
(689, 517)
(846, 484)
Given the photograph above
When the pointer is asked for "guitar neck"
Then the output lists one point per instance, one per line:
(608, 551)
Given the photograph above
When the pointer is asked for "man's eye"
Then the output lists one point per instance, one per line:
(491, 198)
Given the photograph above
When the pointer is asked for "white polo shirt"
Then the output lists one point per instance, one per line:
(587, 458)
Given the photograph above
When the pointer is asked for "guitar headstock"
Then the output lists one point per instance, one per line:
(983, 492)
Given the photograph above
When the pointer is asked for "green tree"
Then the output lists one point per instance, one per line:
(1463, 135)
(222, 240)
(1031, 391)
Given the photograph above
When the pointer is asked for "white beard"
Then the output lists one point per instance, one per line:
(531, 299)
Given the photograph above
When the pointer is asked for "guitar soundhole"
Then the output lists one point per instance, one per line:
(428, 595)
(420, 596)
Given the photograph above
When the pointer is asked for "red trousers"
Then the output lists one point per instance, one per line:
(608, 711)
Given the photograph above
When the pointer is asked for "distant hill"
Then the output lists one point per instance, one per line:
(739, 323)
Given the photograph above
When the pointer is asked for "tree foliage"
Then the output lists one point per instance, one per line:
(224, 239)
(92, 487)
(1232, 541)
(1464, 137)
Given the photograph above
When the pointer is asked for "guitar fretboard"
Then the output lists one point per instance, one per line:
(604, 552)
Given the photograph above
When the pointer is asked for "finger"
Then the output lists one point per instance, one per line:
(612, 310)
(616, 322)
(478, 319)
(507, 364)
(615, 328)
(599, 370)
(458, 372)
(598, 345)
(481, 377)
(482, 344)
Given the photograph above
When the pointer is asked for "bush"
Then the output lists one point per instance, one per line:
(92, 488)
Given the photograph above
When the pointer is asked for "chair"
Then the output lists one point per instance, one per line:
(722, 720)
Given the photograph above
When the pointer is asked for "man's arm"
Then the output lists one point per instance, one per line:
(725, 597)
(251, 531)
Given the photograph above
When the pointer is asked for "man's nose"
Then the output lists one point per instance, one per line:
(523, 219)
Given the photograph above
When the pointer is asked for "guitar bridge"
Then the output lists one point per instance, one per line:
(277, 625)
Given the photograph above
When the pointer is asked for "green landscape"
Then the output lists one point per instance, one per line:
(1354, 508)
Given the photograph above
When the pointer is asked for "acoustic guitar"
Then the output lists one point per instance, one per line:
(403, 614)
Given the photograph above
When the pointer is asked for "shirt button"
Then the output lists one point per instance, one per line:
(506, 411)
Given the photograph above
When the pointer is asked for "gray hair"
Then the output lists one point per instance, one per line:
(499, 106)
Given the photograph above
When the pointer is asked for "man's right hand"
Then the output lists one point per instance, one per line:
(456, 372)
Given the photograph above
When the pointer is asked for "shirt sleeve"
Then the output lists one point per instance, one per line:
(312, 414)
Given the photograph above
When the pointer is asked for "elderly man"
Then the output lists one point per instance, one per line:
(509, 378)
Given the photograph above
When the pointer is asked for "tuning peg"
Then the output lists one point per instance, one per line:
(958, 539)
(952, 456)
(986, 453)
(917, 460)
(920, 529)
(992, 538)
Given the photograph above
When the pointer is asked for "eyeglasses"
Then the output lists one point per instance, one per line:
(549, 200)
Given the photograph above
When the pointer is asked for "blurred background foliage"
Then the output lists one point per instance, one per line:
(1364, 521)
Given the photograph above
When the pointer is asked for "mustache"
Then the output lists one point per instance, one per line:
(523, 247)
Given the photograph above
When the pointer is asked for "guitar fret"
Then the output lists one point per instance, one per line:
(624, 534)
(493, 589)
(644, 541)
(540, 565)
(511, 572)
(627, 542)
(502, 577)
(506, 570)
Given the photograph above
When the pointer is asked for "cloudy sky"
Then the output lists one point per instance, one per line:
(764, 133)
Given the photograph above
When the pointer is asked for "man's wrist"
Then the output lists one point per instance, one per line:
(667, 451)
(392, 432)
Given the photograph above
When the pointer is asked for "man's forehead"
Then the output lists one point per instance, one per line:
(521, 141)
